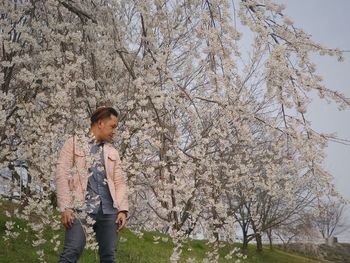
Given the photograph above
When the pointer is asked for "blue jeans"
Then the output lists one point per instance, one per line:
(105, 228)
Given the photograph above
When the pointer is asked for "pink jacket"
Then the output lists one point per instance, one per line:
(71, 190)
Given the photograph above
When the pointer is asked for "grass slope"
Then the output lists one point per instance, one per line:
(131, 248)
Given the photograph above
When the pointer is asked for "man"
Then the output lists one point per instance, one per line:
(89, 180)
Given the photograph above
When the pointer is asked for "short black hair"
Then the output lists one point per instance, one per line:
(102, 113)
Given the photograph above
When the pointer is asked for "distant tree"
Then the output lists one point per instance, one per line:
(330, 218)
(299, 228)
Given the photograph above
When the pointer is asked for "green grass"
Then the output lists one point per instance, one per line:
(130, 248)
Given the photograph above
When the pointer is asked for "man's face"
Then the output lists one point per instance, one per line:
(107, 128)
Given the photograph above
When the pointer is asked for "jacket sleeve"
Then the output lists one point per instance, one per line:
(64, 164)
(120, 186)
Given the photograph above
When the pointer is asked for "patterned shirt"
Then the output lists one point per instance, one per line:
(98, 194)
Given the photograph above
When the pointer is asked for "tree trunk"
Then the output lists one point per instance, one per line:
(245, 242)
(258, 242)
(269, 235)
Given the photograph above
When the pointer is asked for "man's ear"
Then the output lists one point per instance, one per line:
(99, 123)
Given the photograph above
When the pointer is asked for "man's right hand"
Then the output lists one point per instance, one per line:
(67, 218)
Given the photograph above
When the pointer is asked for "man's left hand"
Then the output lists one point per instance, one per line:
(121, 220)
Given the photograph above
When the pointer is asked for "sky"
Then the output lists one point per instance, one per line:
(328, 23)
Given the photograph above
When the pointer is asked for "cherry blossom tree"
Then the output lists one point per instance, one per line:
(198, 126)
(330, 217)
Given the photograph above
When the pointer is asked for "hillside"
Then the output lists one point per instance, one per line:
(131, 248)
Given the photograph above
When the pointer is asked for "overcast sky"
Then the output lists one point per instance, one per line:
(328, 22)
